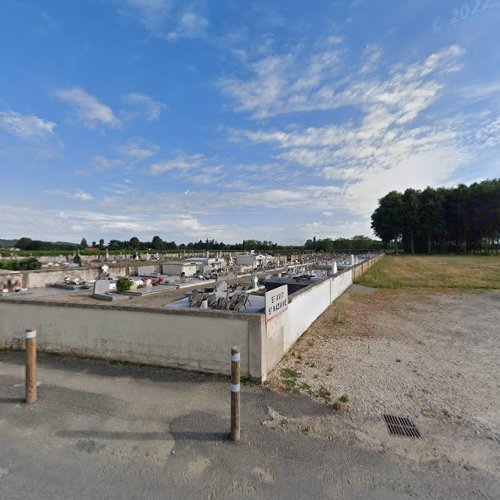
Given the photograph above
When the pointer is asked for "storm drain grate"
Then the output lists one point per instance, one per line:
(401, 426)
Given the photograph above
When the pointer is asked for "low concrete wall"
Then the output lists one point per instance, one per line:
(42, 277)
(12, 276)
(304, 307)
(361, 269)
(182, 339)
(39, 279)
(177, 338)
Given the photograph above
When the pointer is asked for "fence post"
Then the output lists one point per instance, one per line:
(30, 365)
(235, 394)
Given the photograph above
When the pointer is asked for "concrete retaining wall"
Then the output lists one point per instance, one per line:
(189, 341)
(304, 307)
(42, 277)
(178, 338)
(13, 276)
(39, 279)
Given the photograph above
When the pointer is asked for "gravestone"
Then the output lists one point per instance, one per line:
(255, 281)
(221, 290)
(145, 270)
(101, 287)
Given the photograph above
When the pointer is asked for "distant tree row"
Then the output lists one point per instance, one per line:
(134, 244)
(29, 244)
(356, 244)
(460, 219)
(157, 244)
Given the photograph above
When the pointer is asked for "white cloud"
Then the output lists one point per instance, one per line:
(90, 111)
(117, 188)
(181, 162)
(367, 157)
(101, 164)
(139, 150)
(151, 13)
(72, 225)
(327, 82)
(198, 169)
(372, 54)
(167, 19)
(132, 154)
(83, 196)
(480, 91)
(369, 164)
(25, 125)
(78, 194)
(190, 24)
(260, 94)
(145, 106)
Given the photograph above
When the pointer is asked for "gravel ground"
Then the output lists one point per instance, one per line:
(433, 357)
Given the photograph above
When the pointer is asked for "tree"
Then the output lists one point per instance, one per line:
(387, 219)
(134, 242)
(83, 243)
(411, 215)
(360, 242)
(462, 218)
(432, 220)
(24, 243)
(101, 244)
(116, 245)
(457, 220)
(157, 243)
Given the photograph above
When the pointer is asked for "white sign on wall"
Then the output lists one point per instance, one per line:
(276, 301)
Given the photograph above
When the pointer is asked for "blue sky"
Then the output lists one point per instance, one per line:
(232, 119)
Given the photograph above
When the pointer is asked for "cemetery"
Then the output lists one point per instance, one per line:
(178, 314)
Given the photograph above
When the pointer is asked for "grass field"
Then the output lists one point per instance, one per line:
(444, 271)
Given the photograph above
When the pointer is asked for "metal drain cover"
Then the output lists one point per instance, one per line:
(401, 426)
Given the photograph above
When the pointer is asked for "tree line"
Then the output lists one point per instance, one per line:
(357, 243)
(157, 244)
(460, 219)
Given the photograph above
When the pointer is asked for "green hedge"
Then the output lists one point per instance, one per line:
(20, 265)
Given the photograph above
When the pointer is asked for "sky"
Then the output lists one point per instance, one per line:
(231, 120)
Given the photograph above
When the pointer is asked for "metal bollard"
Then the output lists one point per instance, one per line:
(235, 394)
(30, 365)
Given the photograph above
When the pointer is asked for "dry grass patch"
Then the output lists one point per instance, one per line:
(449, 271)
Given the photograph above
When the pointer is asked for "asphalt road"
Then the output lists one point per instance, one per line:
(103, 430)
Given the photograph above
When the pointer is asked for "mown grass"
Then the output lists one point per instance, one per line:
(444, 271)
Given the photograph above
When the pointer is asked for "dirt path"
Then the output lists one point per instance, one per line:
(432, 357)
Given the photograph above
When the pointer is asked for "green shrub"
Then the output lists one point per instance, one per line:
(20, 265)
(123, 284)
